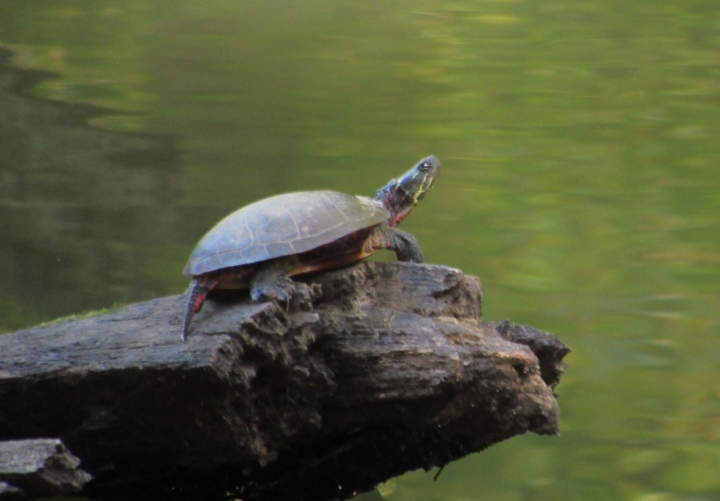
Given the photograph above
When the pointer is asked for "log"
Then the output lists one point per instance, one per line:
(375, 370)
(11, 493)
(38, 468)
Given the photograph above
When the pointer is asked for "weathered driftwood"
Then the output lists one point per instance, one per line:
(375, 370)
(38, 468)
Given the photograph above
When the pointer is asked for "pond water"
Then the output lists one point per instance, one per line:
(581, 183)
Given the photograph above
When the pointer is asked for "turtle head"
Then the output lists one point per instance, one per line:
(401, 195)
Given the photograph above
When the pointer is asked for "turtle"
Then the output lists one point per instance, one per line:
(263, 244)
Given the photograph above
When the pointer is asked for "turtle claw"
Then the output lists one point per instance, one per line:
(285, 295)
(282, 296)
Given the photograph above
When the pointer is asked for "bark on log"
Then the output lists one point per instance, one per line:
(375, 370)
(38, 468)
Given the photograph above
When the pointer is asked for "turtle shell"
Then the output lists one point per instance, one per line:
(283, 225)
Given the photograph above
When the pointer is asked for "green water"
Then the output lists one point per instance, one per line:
(581, 183)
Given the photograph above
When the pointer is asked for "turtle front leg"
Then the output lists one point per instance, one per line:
(405, 246)
(269, 282)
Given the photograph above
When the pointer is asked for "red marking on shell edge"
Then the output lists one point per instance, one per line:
(234, 278)
(329, 264)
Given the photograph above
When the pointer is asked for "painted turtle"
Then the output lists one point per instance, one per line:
(264, 243)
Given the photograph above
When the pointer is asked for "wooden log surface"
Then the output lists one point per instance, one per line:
(376, 369)
(38, 468)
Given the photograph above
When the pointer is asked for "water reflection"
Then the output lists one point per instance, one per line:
(78, 205)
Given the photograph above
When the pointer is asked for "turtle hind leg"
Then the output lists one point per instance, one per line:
(270, 282)
(196, 295)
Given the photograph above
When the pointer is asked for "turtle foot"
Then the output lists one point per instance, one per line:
(267, 284)
(282, 292)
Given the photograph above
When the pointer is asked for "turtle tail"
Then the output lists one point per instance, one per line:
(196, 295)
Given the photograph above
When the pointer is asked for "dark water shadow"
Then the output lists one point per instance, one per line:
(80, 207)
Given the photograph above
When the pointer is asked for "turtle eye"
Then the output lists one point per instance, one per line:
(425, 166)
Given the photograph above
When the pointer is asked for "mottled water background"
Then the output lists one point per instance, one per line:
(581, 183)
